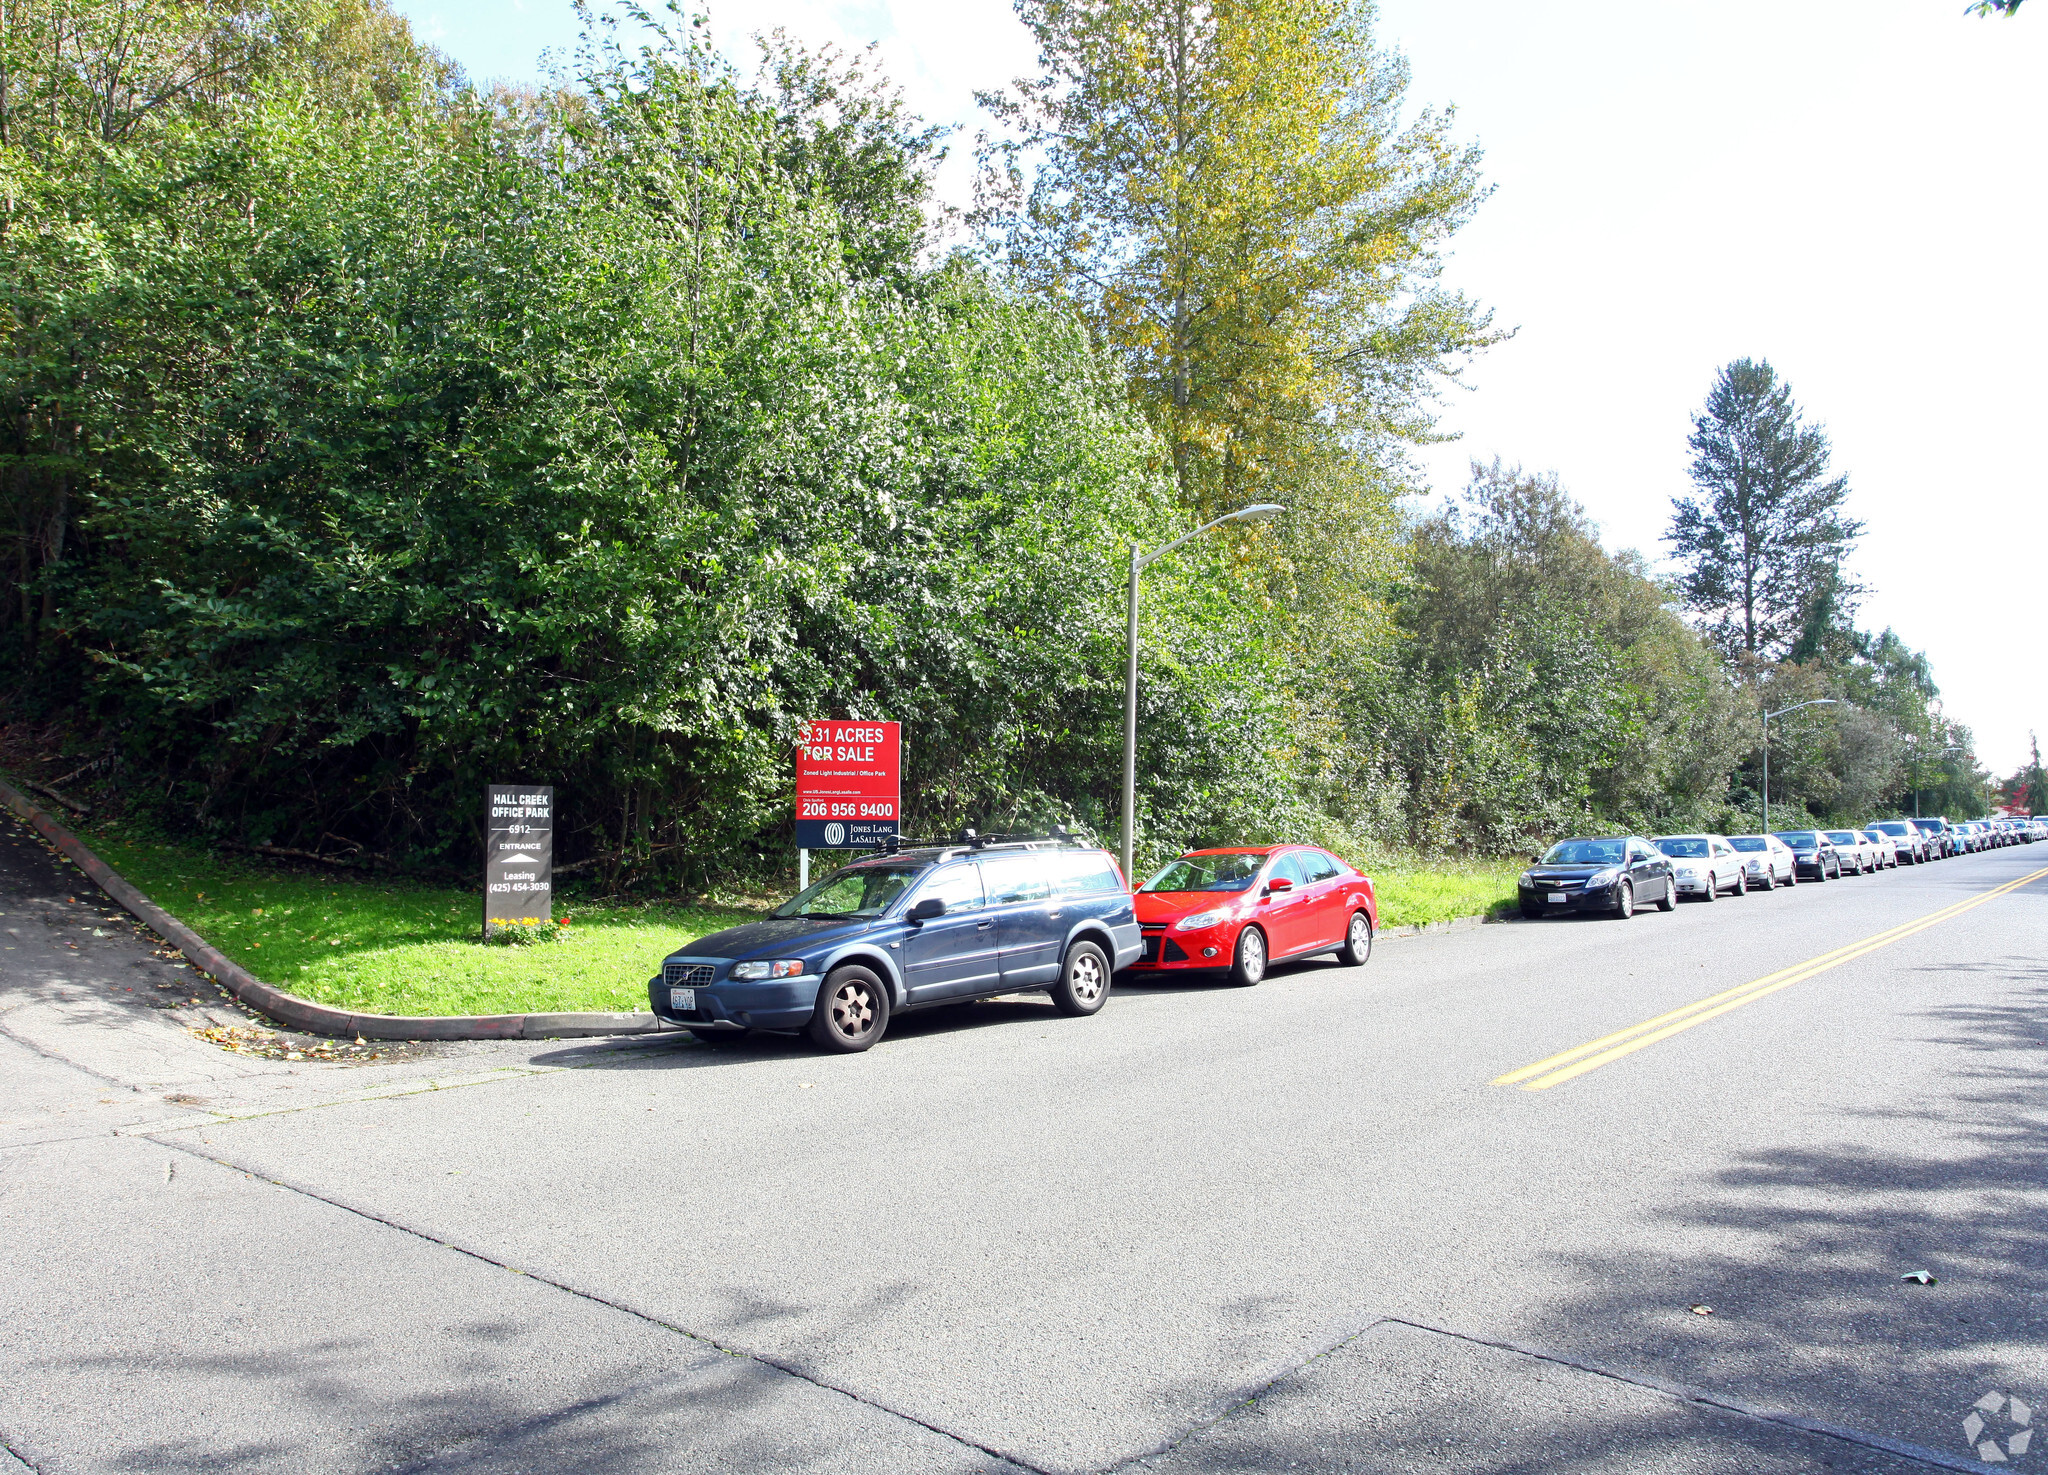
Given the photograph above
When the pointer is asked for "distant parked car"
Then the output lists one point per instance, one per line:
(1615, 874)
(1814, 853)
(1854, 852)
(1704, 865)
(1243, 907)
(1883, 853)
(926, 924)
(1909, 845)
(1767, 861)
(1941, 843)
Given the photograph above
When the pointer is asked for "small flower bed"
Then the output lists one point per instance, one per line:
(526, 931)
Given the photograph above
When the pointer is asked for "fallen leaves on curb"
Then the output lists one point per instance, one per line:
(273, 1046)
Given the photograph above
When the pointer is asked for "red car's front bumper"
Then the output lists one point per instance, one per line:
(1166, 949)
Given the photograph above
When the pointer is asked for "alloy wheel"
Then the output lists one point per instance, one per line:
(853, 1008)
(1087, 978)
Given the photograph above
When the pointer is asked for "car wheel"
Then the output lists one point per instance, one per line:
(1625, 901)
(720, 1036)
(1358, 939)
(1084, 981)
(1742, 883)
(1770, 880)
(852, 1012)
(1668, 902)
(1248, 963)
(1713, 891)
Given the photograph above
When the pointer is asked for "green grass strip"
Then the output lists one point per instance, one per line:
(396, 947)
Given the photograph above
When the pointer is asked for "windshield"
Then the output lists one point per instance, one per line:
(1685, 849)
(1889, 829)
(1207, 873)
(1798, 839)
(1842, 837)
(857, 891)
(1749, 842)
(1584, 853)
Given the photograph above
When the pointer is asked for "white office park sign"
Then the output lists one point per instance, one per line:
(519, 858)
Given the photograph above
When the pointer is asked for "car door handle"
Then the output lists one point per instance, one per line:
(984, 924)
(1054, 916)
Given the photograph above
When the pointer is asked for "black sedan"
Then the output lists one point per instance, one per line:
(1814, 857)
(1613, 875)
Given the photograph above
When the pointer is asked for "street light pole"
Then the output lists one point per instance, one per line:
(1816, 702)
(1957, 748)
(1140, 561)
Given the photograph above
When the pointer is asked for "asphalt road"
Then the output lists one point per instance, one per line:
(1209, 1230)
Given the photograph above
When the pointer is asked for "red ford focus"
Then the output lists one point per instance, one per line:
(1246, 906)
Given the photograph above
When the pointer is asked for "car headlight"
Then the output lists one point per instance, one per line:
(1196, 921)
(1687, 873)
(786, 968)
(1527, 878)
(1604, 878)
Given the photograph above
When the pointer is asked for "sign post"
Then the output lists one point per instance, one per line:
(849, 788)
(519, 857)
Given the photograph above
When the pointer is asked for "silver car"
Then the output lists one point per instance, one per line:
(1767, 861)
(1704, 865)
(1881, 844)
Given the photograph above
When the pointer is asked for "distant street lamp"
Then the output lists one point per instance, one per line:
(1816, 702)
(1257, 512)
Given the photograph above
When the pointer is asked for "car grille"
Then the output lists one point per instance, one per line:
(686, 974)
(1174, 952)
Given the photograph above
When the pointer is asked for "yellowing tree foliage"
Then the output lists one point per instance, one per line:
(1228, 193)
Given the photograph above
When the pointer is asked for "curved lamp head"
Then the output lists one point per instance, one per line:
(1257, 512)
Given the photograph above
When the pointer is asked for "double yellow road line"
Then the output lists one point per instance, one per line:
(1572, 1063)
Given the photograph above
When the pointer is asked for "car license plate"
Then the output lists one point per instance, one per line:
(1557, 896)
(682, 998)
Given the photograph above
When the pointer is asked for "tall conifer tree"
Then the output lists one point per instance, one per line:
(1762, 540)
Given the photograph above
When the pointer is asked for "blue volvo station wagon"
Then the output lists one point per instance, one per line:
(906, 929)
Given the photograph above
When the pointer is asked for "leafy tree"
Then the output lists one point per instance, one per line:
(600, 436)
(2026, 792)
(1762, 541)
(1561, 690)
(1231, 197)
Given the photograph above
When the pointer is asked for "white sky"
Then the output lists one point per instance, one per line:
(1852, 189)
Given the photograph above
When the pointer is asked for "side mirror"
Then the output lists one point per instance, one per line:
(1279, 883)
(929, 907)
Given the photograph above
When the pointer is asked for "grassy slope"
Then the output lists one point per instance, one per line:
(394, 947)
(391, 947)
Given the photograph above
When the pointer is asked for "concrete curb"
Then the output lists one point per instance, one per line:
(1452, 924)
(304, 1014)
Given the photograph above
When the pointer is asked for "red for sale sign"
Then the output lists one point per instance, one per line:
(849, 787)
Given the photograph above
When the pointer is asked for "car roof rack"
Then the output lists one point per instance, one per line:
(968, 842)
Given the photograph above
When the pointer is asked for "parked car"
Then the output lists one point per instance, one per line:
(927, 924)
(1767, 861)
(1245, 907)
(1813, 853)
(1704, 865)
(1859, 855)
(1909, 845)
(1613, 874)
(1941, 843)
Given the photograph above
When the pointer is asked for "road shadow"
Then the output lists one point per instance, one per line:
(494, 1393)
(1800, 1252)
